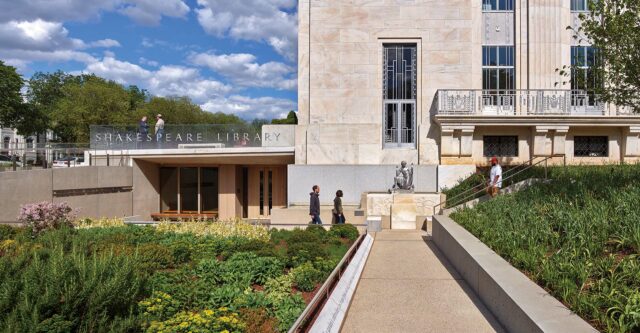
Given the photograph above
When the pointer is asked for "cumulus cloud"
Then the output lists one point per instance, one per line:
(251, 108)
(243, 70)
(270, 21)
(147, 62)
(37, 35)
(148, 12)
(165, 81)
(211, 95)
(106, 43)
(26, 41)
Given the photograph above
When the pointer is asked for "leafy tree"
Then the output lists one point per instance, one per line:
(612, 27)
(91, 100)
(43, 93)
(11, 102)
(292, 118)
(137, 97)
(180, 110)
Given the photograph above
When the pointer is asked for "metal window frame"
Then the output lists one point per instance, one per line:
(399, 102)
(484, 143)
(589, 143)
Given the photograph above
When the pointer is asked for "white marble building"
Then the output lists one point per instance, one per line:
(450, 83)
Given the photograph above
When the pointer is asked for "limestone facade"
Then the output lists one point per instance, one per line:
(340, 86)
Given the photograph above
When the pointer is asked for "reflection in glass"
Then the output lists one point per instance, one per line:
(209, 190)
(169, 190)
(189, 190)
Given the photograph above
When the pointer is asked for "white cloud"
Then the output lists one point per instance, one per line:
(37, 35)
(251, 108)
(147, 62)
(106, 43)
(210, 94)
(38, 40)
(271, 21)
(148, 12)
(120, 71)
(243, 70)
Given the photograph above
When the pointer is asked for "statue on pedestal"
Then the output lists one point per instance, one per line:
(403, 180)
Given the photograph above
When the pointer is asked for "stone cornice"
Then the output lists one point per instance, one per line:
(470, 120)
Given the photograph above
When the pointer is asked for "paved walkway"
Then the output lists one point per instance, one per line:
(408, 286)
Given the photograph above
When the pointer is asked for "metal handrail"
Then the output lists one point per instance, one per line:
(505, 174)
(504, 179)
(307, 317)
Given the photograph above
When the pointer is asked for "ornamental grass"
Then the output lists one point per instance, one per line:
(577, 236)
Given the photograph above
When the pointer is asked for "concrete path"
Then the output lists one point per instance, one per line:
(408, 286)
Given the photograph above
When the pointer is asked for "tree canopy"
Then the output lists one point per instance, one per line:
(613, 28)
(11, 102)
(69, 104)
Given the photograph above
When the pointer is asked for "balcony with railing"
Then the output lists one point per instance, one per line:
(523, 103)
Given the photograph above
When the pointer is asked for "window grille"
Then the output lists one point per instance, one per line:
(497, 5)
(591, 146)
(501, 146)
(400, 86)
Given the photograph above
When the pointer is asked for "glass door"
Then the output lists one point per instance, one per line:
(399, 124)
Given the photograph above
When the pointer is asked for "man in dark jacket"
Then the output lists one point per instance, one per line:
(314, 205)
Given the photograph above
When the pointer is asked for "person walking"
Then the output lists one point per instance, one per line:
(314, 205)
(338, 212)
(159, 127)
(495, 178)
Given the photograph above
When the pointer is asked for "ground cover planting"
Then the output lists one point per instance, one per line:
(103, 276)
(578, 236)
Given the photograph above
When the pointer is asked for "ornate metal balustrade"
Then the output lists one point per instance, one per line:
(522, 103)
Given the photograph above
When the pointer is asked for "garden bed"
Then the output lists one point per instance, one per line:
(197, 277)
(577, 236)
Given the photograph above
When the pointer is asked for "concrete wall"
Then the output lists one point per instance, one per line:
(23, 187)
(353, 180)
(146, 189)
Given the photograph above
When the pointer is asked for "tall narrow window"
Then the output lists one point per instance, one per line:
(189, 190)
(262, 194)
(498, 77)
(497, 5)
(400, 83)
(169, 190)
(583, 61)
(579, 5)
(209, 190)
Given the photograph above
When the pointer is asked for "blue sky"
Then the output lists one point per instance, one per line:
(231, 56)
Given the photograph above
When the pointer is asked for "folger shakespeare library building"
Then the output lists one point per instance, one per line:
(441, 85)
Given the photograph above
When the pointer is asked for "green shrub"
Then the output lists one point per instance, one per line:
(347, 231)
(305, 277)
(300, 253)
(56, 290)
(7, 232)
(155, 256)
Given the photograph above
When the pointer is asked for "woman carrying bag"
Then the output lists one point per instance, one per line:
(338, 212)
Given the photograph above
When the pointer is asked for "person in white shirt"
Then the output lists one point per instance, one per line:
(159, 127)
(495, 177)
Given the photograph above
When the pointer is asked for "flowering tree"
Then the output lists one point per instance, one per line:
(46, 216)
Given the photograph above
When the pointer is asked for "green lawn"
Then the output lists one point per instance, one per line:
(577, 236)
(145, 279)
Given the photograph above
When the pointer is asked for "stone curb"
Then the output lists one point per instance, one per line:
(335, 309)
(517, 302)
